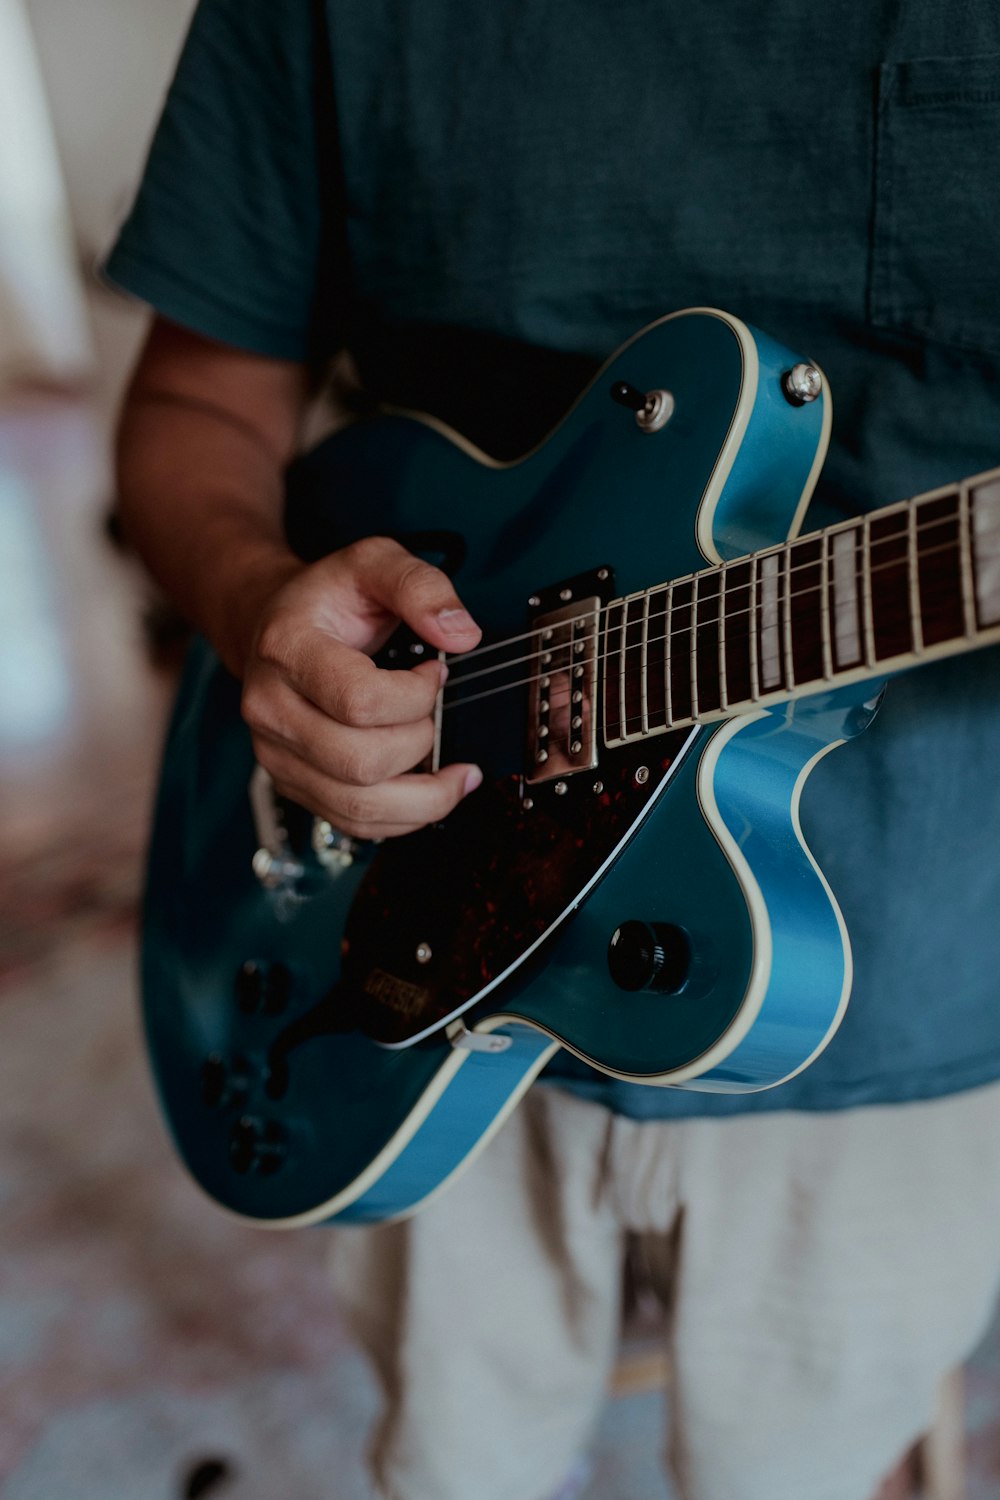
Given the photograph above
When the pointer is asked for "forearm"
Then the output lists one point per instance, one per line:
(200, 486)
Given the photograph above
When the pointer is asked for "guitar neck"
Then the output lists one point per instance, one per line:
(877, 594)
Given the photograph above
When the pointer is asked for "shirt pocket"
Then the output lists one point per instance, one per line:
(936, 235)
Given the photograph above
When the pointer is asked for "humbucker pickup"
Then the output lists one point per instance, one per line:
(562, 729)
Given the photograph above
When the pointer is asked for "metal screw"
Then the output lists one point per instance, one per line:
(577, 671)
(546, 657)
(424, 954)
(560, 788)
(417, 649)
(544, 682)
(598, 787)
(565, 594)
(802, 384)
(547, 635)
(534, 601)
(543, 730)
(273, 871)
(602, 573)
(542, 756)
(575, 747)
(641, 775)
(543, 705)
(528, 804)
(576, 722)
(577, 697)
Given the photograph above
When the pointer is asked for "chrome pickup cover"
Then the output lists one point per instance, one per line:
(562, 725)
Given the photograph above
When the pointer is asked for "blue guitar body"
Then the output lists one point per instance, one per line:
(338, 1043)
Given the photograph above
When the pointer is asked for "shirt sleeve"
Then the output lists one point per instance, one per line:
(232, 223)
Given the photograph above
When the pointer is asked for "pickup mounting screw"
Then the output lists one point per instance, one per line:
(424, 954)
(534, 601)
(641, 775)
(560, 788)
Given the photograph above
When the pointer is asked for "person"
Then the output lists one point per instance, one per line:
(479, 202)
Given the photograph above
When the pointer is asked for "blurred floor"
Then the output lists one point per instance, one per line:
(143, 1336)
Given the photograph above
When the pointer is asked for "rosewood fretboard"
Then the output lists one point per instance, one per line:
(866, 597)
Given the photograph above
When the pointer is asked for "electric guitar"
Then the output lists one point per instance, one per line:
(337, 1027)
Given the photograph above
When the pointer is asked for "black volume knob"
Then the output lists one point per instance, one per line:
(649, 956)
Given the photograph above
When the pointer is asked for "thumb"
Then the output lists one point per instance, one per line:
(461, 780)
(417, 593)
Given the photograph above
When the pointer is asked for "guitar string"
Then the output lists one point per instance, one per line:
(513, 640)
(457, 659)
(458, 682)
(674, 634)
(604, 657)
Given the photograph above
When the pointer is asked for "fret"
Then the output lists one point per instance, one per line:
(694, 647)
(723, 680)
(668, 625)
(732, 626)
(913, 569)
(623, 672)
(681, 651)
(754, 665)
(613, 723)
(707, 660)
(867, 613)
(824, 609)
(643, 655)
(787, 628)
(805, 612)
(891, 583)
(967, 582)
(770, 634)
(655, 658)
(942, 614)
(985, 501)
(846, 622)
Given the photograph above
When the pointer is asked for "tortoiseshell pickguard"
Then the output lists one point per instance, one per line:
(471, 895)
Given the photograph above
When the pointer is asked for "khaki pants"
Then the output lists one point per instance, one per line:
(821, 1272)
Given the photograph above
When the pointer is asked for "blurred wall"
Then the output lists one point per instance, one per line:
(43, 325)
(105, 65)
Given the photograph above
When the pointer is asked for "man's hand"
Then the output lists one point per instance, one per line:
(205, 435)
(336, 733)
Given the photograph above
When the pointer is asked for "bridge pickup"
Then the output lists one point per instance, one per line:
(562, 726)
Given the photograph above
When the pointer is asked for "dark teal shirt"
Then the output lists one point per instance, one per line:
(439, 185)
